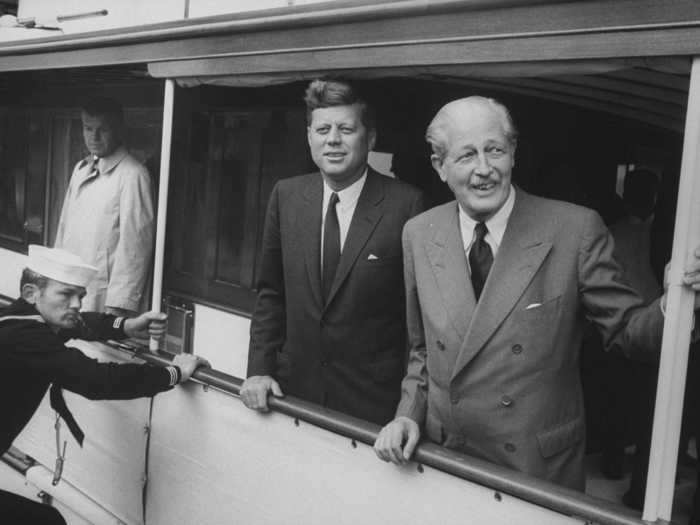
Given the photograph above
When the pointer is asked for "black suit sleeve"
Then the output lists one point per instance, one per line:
(268, 328)
(418, 205)
(42, 353)
(97, 326)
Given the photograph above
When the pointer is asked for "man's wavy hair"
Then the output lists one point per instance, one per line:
(108, 108)
(331, 92)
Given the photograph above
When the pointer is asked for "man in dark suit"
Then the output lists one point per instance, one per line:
(329, 321)
(499, 285)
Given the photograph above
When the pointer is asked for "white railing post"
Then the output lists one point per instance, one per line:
(678, 323)
(163, 185)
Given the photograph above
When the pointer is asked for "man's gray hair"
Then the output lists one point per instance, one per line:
(436, 134)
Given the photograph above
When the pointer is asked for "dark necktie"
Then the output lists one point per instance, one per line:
(480, 259)
(95, 167)
(331, 246)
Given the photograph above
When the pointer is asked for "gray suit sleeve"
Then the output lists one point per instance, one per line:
(414, 388)
(610, 302)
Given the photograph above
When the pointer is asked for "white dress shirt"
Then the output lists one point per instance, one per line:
(496, 226)
(347, 202)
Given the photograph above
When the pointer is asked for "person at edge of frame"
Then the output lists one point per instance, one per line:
(33, 332)
(499, 284)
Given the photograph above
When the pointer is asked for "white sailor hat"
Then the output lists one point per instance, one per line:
(60, 265)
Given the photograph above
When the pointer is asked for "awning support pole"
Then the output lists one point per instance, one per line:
(163, 185)
(678, 323)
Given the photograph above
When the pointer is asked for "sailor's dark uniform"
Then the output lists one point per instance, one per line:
(33, 356)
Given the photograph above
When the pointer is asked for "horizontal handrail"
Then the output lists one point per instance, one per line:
(18, 460)
(498, 478)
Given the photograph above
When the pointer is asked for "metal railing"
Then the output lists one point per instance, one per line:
(17, 460)
(499, 479)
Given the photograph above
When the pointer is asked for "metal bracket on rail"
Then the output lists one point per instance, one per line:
(60, 455)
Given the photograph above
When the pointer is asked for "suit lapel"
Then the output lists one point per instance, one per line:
(449, 264)
(523, 249)
(309, 221)
(367, 214)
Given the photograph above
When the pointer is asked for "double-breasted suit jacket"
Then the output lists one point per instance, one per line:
(348, 354)
(499, 379)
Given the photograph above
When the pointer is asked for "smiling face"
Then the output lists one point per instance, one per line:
(101, 135)
(478, 160)
(339, 143)
(58, 303)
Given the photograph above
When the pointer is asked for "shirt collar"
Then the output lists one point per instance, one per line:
(496, 225)
(108, 163)
(347, 197)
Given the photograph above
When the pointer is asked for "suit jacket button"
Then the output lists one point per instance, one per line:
(324, 362)
(440, 345)
(509, 447)
(517, 349)
(506, 401)
(454, 400)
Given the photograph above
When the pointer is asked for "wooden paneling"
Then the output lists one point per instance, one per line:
(12, 180)
(682, 41)
(237, 160)
(353, 38)
(23, 156)
(226, 160)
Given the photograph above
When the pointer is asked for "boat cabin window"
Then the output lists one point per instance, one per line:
(580, 135)
(41, 141)
(232, 144)
(229, 149)
(22, 176)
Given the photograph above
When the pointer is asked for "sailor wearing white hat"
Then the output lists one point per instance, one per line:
(56, 284)
(60, 265)
(33, 333)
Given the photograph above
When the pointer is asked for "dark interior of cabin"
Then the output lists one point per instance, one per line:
(231, 145)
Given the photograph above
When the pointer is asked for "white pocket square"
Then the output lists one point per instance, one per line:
(533, 305)
(372, 257)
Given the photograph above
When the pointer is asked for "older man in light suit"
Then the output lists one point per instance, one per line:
(499, 285)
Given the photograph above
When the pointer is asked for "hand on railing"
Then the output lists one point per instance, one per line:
(188, 363)
(397, 440)
(255, 390)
